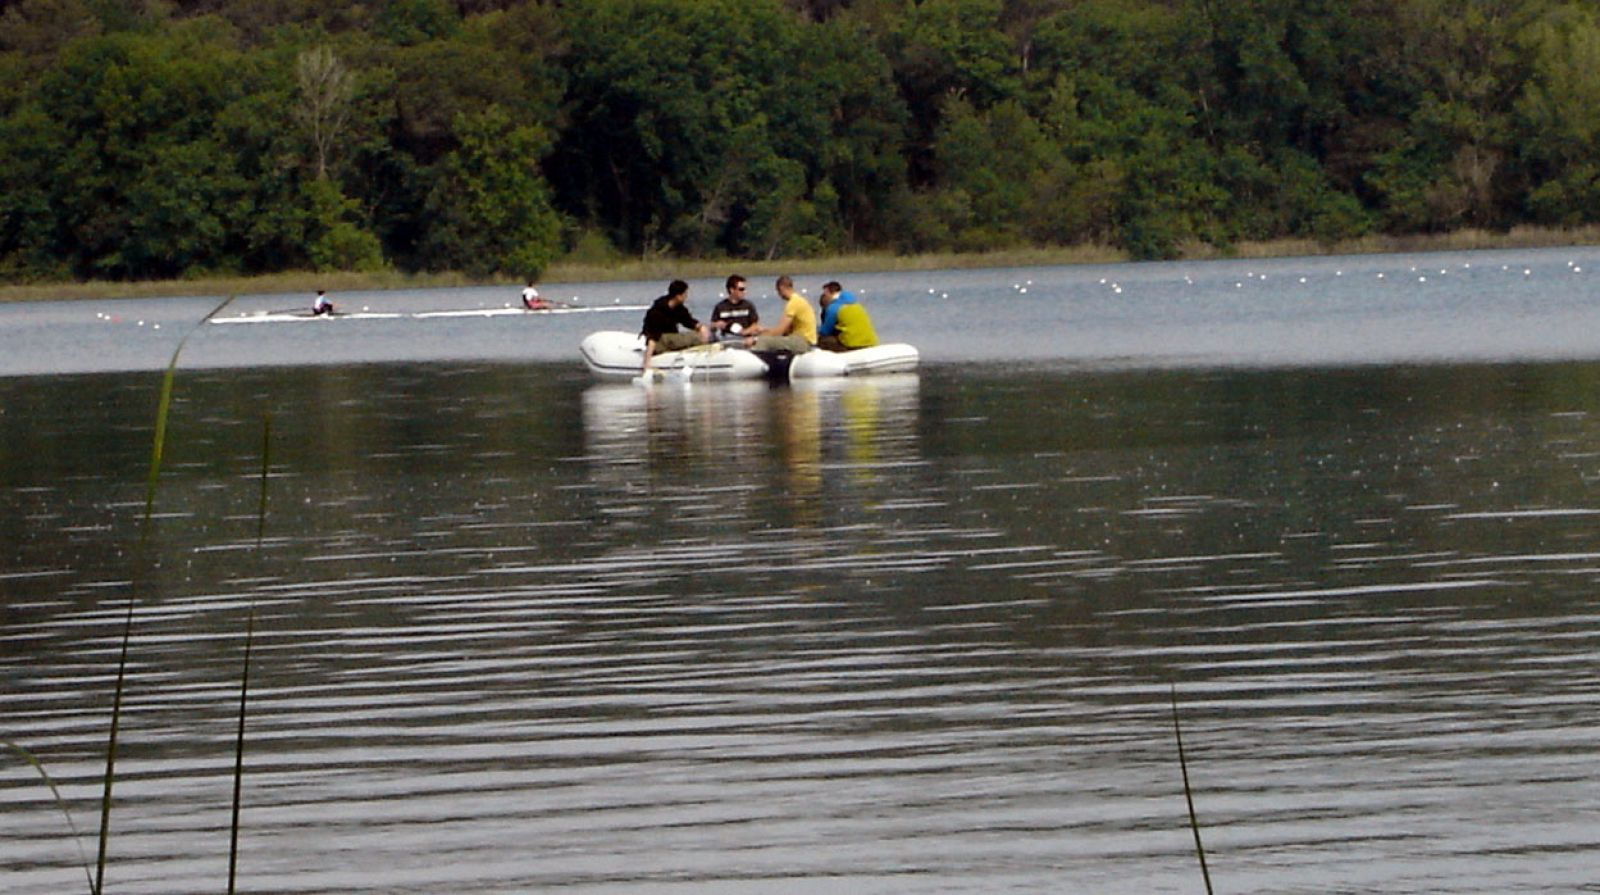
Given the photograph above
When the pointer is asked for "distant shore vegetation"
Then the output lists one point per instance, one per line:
(568, 270)
(194, 146)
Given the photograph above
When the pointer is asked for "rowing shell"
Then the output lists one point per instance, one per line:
(513, 312)
(304, 316)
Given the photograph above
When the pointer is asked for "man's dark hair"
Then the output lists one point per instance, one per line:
(733, 280)
(677, 287)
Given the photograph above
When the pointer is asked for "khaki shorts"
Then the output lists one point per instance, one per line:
(677, 341)
(793, 344)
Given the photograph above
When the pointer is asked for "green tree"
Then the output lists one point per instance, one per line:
(408, 100)
(31, 244)
(945, 48)
(334, 232)
(1114, 85)
(145, 184)
(490, 207)
(857, 160)
(1457, 71)
(38, 30)
(679, 112)
(991, 165)
(409, 22)
(1559, 112)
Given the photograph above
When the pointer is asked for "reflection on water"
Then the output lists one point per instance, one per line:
(519, 632)
(826, 439)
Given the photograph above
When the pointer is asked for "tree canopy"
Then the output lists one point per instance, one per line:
(170, 138)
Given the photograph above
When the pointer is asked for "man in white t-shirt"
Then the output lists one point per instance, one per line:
(531, 299)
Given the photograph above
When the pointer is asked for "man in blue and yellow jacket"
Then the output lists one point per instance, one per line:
(845, 324)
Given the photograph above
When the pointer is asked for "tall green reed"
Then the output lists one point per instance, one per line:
(141, 556)
(1188, 793)
(61, 803)
(244, 682)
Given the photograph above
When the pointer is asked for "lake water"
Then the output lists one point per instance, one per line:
(517, 631)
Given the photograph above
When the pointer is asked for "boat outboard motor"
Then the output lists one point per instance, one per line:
(777, 364)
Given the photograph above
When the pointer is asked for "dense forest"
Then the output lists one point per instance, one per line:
(169, 138)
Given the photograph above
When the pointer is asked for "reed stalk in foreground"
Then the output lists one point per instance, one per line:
(60, 803)
(238, 754)
(244, 683)
(163, 407)
(1188, 794)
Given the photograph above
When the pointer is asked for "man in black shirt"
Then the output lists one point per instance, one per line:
(661, 324)
(734, 316)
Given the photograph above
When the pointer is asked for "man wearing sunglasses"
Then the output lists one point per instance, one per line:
(735, 315)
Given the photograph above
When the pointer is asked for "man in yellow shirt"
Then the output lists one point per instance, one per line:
(796, 332)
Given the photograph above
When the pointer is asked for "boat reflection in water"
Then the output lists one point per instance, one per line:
(803, 449)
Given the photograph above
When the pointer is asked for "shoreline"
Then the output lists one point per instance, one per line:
(628, 269)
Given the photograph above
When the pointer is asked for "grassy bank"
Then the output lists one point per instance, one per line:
(305, 283)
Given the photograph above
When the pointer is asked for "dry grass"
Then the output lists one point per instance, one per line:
(305, 283)
(668, 268)
(1455, 241)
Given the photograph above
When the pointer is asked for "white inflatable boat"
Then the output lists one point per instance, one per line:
(612, 354)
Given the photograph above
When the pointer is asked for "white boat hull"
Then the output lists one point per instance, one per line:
(890, 357)
(612, 354)
(303, 317)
